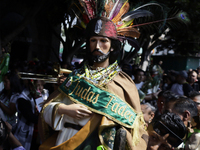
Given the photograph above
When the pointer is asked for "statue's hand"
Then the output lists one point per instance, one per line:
(76, 111)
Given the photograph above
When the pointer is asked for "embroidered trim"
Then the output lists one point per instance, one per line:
(100, 76)
(96, 111)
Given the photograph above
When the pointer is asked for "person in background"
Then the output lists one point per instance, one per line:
(198, 71)
(198, 75)
(181, 87)
(151, 87)
(7, 140)
(134, 68)
(139, 81)
(44, 93)
(168, 132)
(4, 65)
(139, 78)
(26, 129)
(195, 96)
(148, 112)
(187, 111)
(193, 140)
(166, 100)
(127, 68)
(9, 96)
(167, 82)
(192, 80)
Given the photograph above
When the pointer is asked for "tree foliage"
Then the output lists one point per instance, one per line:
(168, 30)
(163, 30)
(185, 41)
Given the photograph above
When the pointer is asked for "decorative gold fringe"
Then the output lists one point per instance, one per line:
(139, 121)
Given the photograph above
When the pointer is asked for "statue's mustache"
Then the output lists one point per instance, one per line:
(99, 50)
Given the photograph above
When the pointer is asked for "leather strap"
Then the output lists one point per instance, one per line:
(73, 126)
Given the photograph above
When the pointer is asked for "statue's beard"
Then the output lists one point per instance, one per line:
(98, 58)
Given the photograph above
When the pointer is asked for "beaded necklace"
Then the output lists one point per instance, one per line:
(100, 76)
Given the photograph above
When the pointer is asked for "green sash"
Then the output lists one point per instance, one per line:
(99, 100)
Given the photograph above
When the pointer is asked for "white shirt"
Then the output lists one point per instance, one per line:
(139, 85)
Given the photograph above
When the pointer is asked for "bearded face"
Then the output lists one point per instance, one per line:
(100, 48)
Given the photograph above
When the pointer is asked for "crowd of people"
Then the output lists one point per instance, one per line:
(20, 109)
(100, 105)
(170, 93)
(170, 103)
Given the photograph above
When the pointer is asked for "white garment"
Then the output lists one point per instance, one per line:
(24, 128)
(181, 146)
(139, 85)
(177, 89)
(60, 120)
(45, 94)
(193, 142)
(11, 119)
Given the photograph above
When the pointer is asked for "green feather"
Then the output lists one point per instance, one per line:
(100, 7)
(126, 24)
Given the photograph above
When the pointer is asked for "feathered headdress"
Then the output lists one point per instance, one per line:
(112, 18)
(115, 10)
(130, 22)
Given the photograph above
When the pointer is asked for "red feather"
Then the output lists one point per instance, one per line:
(91, 8)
